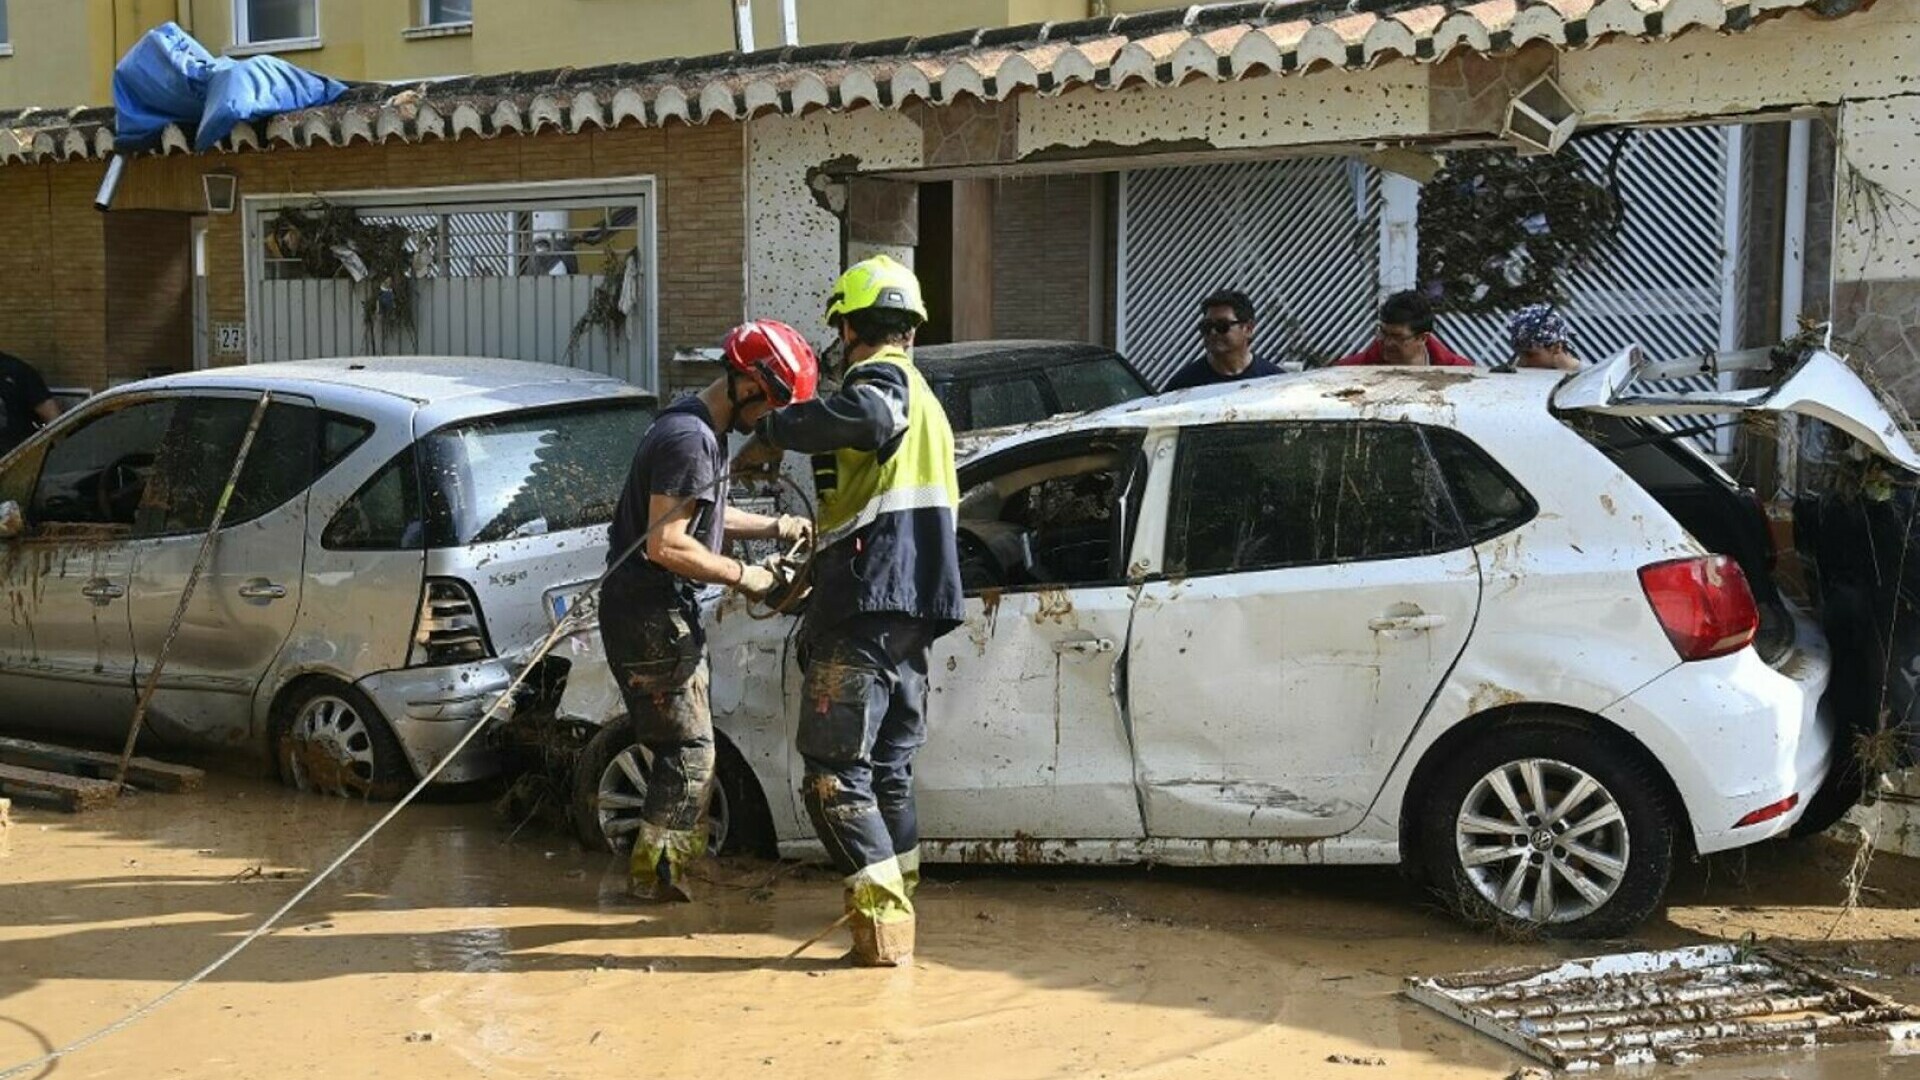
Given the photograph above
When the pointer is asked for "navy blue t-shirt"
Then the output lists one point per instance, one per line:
(680, 456)
(1201, 373)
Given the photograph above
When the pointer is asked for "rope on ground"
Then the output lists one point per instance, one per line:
(562, 628)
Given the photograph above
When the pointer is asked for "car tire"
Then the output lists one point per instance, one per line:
(332, 739)
(1622, 868)
(609, 781)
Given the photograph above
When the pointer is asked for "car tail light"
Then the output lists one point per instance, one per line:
(449, 630)
(1769, 811)
(1703, 604)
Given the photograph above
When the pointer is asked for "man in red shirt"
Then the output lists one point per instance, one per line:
(1406, 338)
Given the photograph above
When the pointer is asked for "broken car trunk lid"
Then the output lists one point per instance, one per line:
(1815, 383)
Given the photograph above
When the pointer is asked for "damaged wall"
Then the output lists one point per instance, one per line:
(1876, 261)
(794, 205)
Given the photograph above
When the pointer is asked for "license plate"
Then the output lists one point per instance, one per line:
(561, 600)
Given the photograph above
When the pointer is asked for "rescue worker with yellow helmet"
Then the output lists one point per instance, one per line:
(886, 584)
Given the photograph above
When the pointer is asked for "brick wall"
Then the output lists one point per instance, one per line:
(54, 259)
(1041, 241)
(149, 291)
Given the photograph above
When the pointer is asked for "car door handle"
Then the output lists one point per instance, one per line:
(1385, 623)
(100, 590)
(262, 589)
(1084, 646)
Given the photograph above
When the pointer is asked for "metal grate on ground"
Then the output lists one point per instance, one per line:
(1668, 1007)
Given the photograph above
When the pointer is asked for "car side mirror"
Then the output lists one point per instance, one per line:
(12, 521)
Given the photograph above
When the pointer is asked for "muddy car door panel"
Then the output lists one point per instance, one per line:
(245, 603)
(1029, 733)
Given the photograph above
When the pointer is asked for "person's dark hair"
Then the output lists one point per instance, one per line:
(1233, 298)
(875, 327)
(1408, 309)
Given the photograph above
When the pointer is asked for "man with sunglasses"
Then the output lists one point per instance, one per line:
(676, 498)
(1406, 338)
(1226, 328)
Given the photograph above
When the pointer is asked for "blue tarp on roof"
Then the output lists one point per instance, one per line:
(168, 78)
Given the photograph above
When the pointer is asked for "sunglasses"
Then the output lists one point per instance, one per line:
(1219, 326)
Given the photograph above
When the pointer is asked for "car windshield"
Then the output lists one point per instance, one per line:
(529, 474)
(1095, 384)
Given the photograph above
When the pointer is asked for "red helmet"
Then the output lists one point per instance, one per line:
(775, 356)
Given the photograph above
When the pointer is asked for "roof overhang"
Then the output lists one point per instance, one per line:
(1218, 42)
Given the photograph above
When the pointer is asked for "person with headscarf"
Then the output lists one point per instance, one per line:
(1542, 338)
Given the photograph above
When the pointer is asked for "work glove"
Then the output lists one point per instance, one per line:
(792, 528)
(755, 582)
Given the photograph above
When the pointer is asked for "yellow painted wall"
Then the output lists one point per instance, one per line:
(64, 50)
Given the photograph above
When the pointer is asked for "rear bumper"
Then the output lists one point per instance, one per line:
(431, 709)
(1737, 735)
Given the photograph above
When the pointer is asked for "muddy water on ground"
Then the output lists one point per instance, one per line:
(443, 949)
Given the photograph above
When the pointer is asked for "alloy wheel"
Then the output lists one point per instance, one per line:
(330, 748)
(623, 792)
(1542, 841)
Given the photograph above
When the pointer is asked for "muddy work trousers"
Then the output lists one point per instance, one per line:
(863, 714)
(659, 660)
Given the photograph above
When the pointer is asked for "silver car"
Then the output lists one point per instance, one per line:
(402, 529)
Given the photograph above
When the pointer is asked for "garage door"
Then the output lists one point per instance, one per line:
(499, 272)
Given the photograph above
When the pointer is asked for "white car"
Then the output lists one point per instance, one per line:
(1494, 624)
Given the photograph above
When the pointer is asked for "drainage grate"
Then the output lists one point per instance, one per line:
(1668, 1007)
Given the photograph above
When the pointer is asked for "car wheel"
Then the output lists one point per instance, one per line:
(610, 787)
(335, 742)
(1549, 829)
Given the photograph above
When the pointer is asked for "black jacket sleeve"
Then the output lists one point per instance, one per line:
(867, 412)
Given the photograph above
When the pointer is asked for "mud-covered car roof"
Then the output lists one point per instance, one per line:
(442, 388)
(1423, 395)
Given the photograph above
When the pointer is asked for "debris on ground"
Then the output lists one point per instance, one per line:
(419, 1036)
(1350, 1059)
(1665, 1007)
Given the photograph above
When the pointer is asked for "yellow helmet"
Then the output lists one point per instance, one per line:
(878, 282)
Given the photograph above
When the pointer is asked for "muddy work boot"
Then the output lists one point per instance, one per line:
(881, 944)
(880, 915)
(657, 872)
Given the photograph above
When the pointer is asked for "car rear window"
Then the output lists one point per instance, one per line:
(1007, 402)
(1094, 384)
(528, 473)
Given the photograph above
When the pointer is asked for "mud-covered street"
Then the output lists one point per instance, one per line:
(446, 949)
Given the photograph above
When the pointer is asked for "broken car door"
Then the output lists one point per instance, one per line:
(71, 569)
(243, 607)
(1028, 736)
(1317, 588)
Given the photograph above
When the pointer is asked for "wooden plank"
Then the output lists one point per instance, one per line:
(68, 793)
(141, 771)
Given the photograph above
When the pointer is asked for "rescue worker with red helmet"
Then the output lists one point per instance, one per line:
(886, 584)
(649, 607)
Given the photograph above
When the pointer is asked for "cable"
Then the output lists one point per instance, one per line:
(567, 624)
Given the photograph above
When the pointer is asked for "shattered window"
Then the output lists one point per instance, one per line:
(196, 459)
(384, 515)
(1255, 496)
(97, 473)
(529, 474)
(1490, 501)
